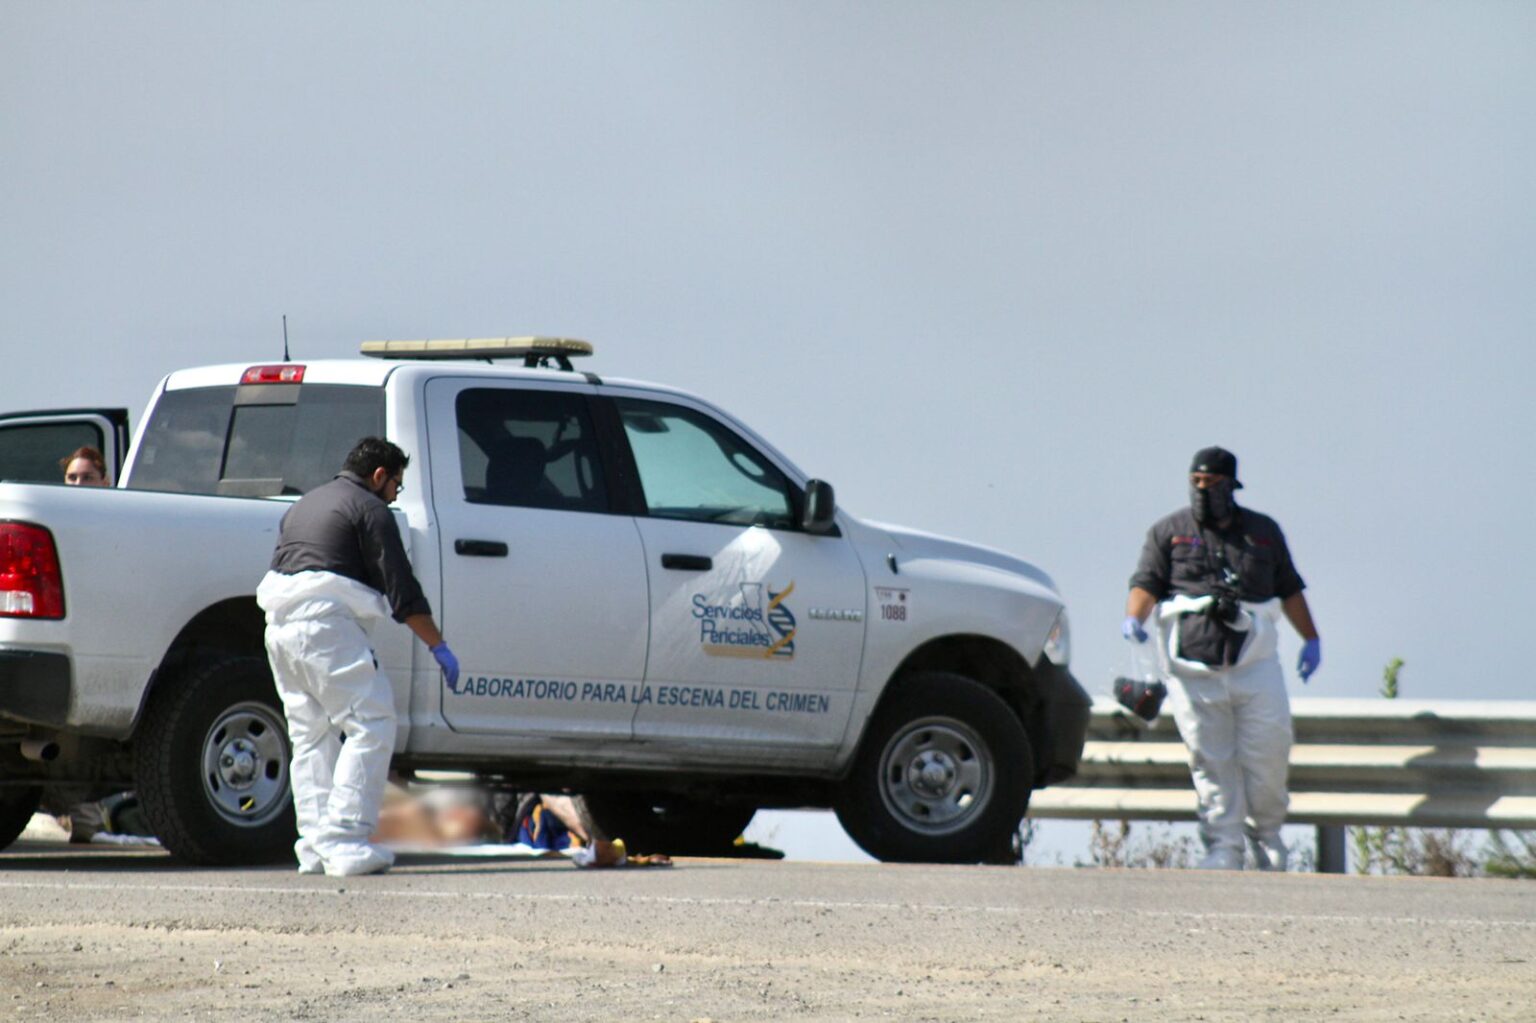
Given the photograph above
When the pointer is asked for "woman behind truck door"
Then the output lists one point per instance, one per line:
(85, 467)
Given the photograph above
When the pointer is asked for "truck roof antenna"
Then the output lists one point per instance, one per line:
(285, 338)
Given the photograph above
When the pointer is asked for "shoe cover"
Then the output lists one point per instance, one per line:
(353, 861)
(309, 860)
(1222, 858)
(1270, 853)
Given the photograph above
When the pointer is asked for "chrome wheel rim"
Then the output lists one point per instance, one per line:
(245, 764)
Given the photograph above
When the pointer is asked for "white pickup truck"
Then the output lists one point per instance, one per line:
(652, 606)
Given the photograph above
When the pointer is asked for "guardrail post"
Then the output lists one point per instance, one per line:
(1332, 855)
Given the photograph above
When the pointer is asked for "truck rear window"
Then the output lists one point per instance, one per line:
(253, 441)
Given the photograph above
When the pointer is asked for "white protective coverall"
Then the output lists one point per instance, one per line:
(330, 683)
(1236, 721)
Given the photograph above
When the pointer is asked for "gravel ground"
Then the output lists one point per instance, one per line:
(107, 934)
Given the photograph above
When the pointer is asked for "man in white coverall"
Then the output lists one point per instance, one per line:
(1219, 577)
(339, 567)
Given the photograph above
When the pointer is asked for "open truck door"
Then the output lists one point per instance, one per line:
(31, 443)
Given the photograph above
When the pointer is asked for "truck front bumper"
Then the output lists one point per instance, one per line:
(34, 687)
(1066, 708)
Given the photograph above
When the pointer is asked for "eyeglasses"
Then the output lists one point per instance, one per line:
(399, 485)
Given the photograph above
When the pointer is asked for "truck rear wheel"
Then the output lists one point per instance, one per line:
(661, 823)
(943, 775)
(17, 805)
(211, 765)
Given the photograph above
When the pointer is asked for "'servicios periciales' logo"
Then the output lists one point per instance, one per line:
(749, 625)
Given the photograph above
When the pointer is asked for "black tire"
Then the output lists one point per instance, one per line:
(943, 774)
(673, 825)
(211, 765)
(17, 805)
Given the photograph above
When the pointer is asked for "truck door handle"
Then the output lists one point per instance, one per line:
(687, 562)
(480, 548)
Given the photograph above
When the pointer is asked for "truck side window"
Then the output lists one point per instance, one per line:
(529, 449)
(692, 467)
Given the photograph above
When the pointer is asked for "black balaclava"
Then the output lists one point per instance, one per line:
(1213, 505)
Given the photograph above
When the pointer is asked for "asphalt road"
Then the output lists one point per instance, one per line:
(108, 934)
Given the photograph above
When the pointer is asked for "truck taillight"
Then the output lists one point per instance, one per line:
(284, 374)
(31, 585)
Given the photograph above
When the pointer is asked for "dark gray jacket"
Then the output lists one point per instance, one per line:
(345, 528)
(1180, 558)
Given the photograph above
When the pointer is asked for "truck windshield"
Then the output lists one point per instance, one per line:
(212, 440)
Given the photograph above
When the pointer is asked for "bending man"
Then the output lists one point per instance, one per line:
(1220, 576)
(339, 567)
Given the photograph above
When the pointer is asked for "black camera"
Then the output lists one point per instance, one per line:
(1228, 604)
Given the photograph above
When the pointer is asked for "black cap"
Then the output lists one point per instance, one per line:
(1216, 460)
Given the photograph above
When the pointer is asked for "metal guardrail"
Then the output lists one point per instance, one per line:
(1401, 763)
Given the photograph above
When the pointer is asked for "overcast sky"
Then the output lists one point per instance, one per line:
(994, 270)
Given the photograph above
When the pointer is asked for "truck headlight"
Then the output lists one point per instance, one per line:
(1058, 645)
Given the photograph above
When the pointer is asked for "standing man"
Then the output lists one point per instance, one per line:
(1219, 577)
(339, 567)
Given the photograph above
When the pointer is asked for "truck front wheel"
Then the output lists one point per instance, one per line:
(943, 775)
(211, 764)
(17, 805)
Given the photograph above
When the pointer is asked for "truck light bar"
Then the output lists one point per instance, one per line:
(283, 374)
(534, 351)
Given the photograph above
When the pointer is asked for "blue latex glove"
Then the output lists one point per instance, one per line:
(1131, 629)
(449, 664)
(1311, 657)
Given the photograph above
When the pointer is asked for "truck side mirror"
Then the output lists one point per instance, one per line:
(820, 508)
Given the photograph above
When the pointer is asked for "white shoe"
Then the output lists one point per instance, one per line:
(353, 861)
(1222, 857)
(1270, 853)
